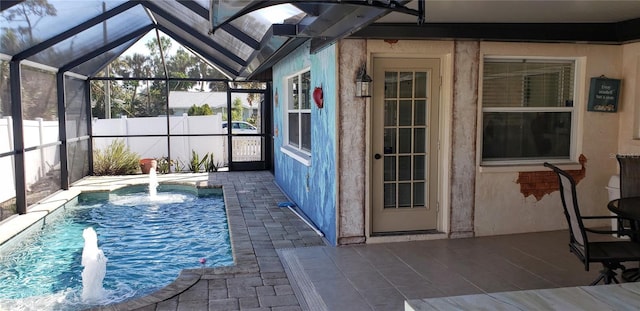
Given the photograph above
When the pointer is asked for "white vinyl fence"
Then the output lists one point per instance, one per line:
(37, 163)
(39, 132)
(245, 148)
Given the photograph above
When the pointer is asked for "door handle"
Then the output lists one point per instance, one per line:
(377, 156)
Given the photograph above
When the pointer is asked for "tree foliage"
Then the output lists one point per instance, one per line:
(203, 110)
(133, 98)
(236, 109)
(5, 100)
(143, 97)
(38, 87)
(27, 15)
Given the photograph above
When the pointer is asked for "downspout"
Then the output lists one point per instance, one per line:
(338, 150)
(292, 207)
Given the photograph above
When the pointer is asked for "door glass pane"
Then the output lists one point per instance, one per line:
(390, 113)
(418, 167)
(389, 141)
(390, 84)
(420, 116)
(419, 141)
(404, 195)
(404, 140)
(389, 195)
(405, 113)
(418, 194)
(404, 168)
(421, 85)
(406, 84)
(390, 168)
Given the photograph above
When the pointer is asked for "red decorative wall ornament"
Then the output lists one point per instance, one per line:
(391, 41)
(317, 97)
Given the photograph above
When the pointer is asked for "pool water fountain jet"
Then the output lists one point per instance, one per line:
(95, 267)
(153, 181)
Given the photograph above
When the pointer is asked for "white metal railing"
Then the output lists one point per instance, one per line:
(247, 149)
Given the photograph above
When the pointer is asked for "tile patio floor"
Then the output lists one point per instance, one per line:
(281, 264)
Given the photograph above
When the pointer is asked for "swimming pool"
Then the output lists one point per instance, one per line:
(147, 242)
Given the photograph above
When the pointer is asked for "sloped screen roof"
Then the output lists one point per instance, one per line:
(93, 38)
(238, 37)
(61, 33)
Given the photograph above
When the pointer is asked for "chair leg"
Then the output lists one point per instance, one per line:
(608, 273)
(600, 277)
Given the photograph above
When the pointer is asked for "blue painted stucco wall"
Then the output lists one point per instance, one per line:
(313, 187)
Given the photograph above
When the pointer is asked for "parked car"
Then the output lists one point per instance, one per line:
(240, 127)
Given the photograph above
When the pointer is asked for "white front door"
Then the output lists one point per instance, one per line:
(404, 147)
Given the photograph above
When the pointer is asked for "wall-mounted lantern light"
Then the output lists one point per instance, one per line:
(363, 83)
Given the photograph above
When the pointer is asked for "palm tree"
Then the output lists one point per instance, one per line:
(140, 67)
(31, 12)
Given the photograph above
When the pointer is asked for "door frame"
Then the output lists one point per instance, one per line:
(442, 153)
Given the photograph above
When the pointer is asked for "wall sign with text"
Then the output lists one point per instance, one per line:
(603, 94)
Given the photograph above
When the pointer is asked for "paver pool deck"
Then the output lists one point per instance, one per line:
(257, 281)
(281, 264)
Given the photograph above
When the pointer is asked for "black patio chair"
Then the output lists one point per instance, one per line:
(611, 254)
(629, 175)
(629, 187)
(629, 183)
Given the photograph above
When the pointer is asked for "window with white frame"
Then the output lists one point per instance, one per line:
(528, 113)
(298, 112)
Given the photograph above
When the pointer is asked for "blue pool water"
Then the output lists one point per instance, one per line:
(147, 243)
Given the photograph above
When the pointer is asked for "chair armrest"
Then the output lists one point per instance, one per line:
(606, 217)
(604, 231)
(619, 232)
(600, 217)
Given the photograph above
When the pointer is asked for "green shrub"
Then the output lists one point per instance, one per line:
(195, 164)
(203, 110)
(179, 166)
(210, 165)
(116, 159)
(164, 165)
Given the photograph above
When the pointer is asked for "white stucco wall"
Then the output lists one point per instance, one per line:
(351, 144)
(629, 108)
(463, 142)
(500, 207)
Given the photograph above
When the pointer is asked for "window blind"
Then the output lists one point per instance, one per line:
(527, 83)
